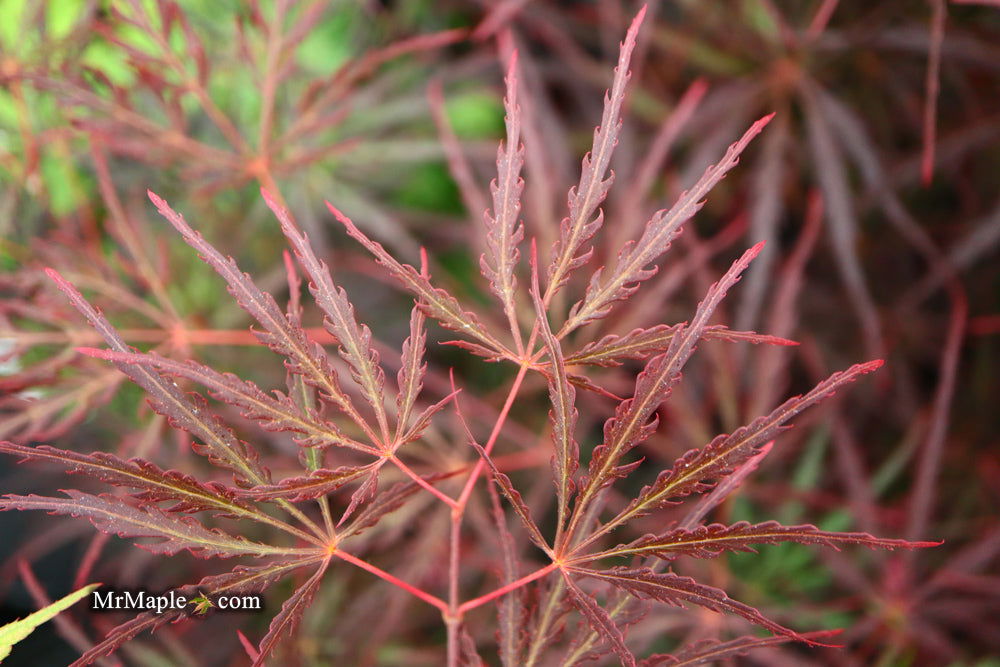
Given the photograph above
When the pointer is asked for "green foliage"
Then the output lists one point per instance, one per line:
(429, 188)
(475, 115)
(332, 43)
(14, 632)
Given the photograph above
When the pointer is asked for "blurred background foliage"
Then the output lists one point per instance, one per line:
(379, 106)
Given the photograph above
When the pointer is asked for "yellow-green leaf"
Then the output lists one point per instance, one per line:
(12, 633)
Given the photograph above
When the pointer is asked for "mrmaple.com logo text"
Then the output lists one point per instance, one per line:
(142, 600)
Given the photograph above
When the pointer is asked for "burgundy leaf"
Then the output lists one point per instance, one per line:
(676, 590)
(422, 421)
(436, 302)
(575, 231)
(308, 487)
(412, 368)
(585, 383)
(563, 414)
(613, 350)
(478, 350)
(632, 421)
(725, 488)
(599, 620)
(714, 539)
(111, 514)
(546, 621)
(514, 498)
(277, 413)
(504, 230)
(281, 334)
(183, 411)
(468, 656)
(254, 578)
(735, 336)
(624, 610)
(630, 270)
(355, 339)
(124, 632)
(511, 609)
(364, 493)
(711, 650)
(700, 469)
(153, 483)
(287, 620)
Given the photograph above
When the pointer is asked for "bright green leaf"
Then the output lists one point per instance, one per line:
(330, 44)
(11, 17)
(12, 633)
(760, 18)
(60, 182)
(110, 61)
(429, 187)
(476, 115)
(8, 115)
(61, 15)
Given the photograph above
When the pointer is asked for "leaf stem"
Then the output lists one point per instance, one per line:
(453, 560)
(494, 435)
(453, 625)
(445, 498)
(452, 613)
(503, 590)
(382, 574)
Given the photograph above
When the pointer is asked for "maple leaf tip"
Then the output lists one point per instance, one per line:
(926, 545)
(63, 284)
(811, 642)
(248, 646)
(344, 220)
(271, 201)
(424, 263)
(752, 253)
(927, 168)
(640, 16)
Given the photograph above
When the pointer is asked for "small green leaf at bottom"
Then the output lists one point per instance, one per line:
(18, 630)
